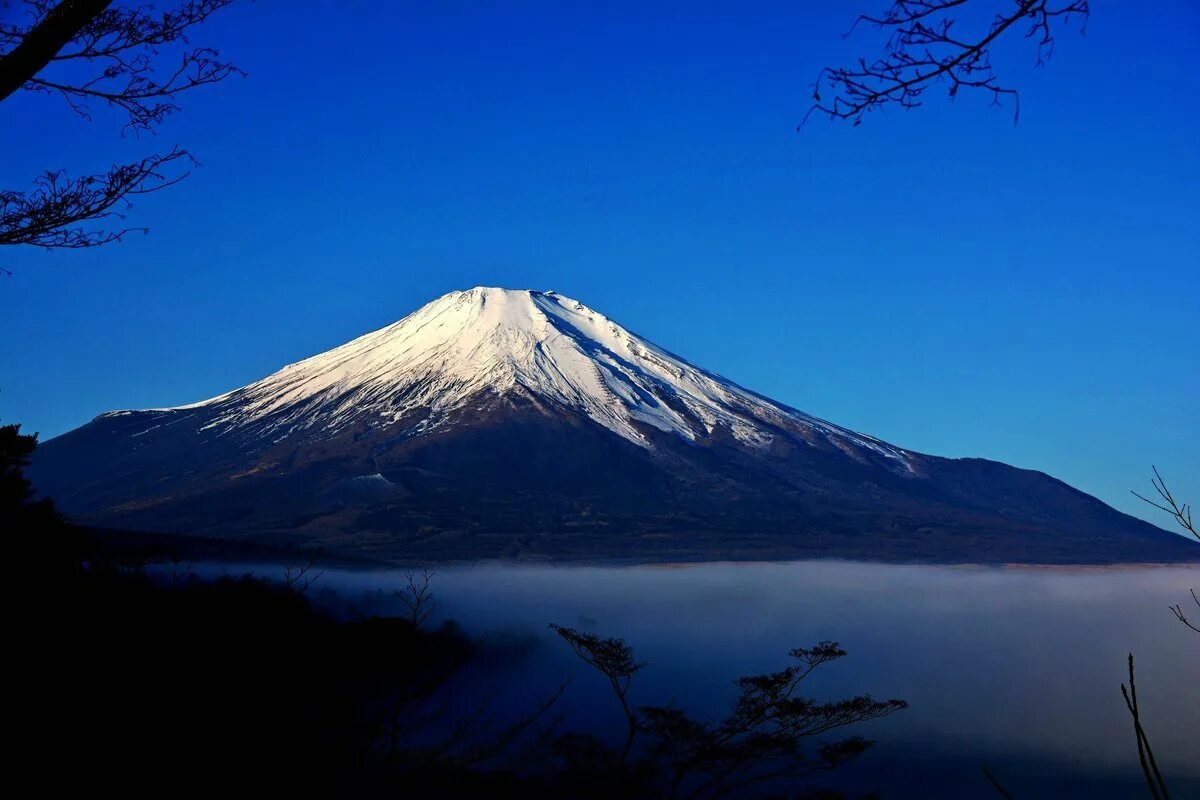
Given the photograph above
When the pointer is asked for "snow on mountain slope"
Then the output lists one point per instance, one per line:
(441, 357)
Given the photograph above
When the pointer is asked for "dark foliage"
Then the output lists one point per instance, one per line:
(760, 742)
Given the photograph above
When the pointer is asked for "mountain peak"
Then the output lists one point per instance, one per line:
(503, 422)
(474, 346)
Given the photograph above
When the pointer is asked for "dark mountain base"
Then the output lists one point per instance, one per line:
(522, 479)
(598, 547)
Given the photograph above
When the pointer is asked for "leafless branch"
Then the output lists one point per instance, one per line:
(120, 47)
(1182, 513)
(1177, 610)
(924, 47)
(417, 597)
(300, 577)
(53, 214)
(999, 787)
(124, 56)
(1154, 779)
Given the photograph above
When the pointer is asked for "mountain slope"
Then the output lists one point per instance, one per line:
(509, 423)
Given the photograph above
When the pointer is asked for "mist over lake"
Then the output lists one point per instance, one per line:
(1018, 668)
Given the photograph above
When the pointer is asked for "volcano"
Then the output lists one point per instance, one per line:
(497, 423)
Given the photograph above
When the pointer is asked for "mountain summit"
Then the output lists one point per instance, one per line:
(416, 375)
(513, 423)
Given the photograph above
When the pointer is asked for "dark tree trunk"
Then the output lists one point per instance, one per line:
(44, 41)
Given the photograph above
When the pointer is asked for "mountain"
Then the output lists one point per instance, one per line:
(520, 424)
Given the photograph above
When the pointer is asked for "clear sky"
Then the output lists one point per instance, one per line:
(942, 279)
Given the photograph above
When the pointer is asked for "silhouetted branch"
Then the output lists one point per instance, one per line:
(1154, 779)
(417, 597)
(613, 658)
(1177, 610)
(1181, 512)
(301, 576)
(924, 47)
(996, 784)
(25, 50)
(760, 740)
(502, 741)
(52, 214)
(110, 54)
(121, 43)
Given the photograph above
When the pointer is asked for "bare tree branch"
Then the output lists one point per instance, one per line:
(417, 597)
(1177, 610)
(1154, 778)
(26, 50)
(999, 787)
(122, 44)
(1181, 512)
(300, 577)
(924, 48)
(54, 213)
(88, 50)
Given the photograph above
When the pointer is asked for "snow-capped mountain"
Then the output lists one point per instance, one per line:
(414, 375)
(521, 423)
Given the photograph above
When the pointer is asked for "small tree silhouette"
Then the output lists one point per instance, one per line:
(613, 658)
(761, 741)
(299, 577)
(417, 596)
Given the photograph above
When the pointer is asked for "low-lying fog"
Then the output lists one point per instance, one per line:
(1018, 668)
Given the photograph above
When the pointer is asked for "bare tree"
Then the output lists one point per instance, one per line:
(300, 577)
(96, 51)
(417, 596)
(924, 47)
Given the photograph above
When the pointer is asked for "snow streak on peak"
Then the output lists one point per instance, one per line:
(445, 355)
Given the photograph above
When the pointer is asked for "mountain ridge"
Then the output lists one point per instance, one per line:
(512, 423)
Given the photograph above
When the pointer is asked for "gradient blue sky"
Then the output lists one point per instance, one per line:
(941, 279)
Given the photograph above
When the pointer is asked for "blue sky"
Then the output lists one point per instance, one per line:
(941, 278)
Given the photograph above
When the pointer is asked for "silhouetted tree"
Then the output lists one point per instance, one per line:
(33, 528)
(417, 597)
(299, 577)
(925, 47)
(15, 450)
(98, 51)
(760, 741)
